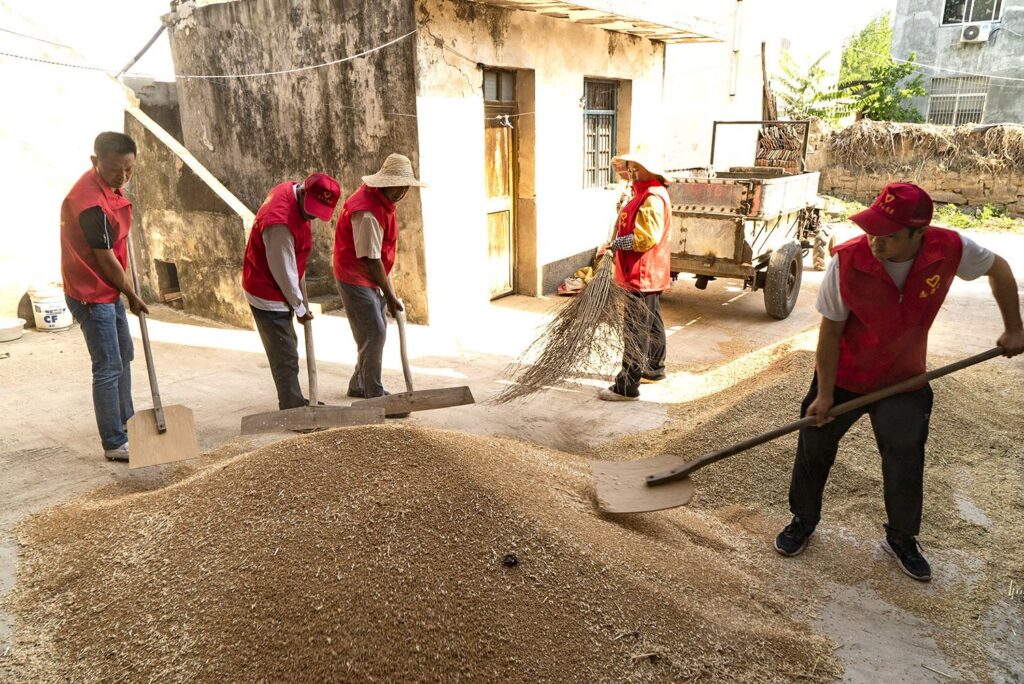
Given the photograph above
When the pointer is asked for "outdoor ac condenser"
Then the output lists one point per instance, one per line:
(976, 33)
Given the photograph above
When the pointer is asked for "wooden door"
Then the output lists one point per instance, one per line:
(499, 175)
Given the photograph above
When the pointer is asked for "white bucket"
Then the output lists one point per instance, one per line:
(50, 309)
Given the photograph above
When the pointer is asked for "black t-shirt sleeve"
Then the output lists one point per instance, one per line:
(97, 229)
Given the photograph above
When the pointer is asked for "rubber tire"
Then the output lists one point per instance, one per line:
(782, 281)
(822, 250)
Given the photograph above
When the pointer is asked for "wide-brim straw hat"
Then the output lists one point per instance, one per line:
(644, 159)
(395, 173)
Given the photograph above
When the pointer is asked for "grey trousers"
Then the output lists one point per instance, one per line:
(282, 347)
(365, 309)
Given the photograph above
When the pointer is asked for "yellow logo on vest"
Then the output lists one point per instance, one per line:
(932, 282)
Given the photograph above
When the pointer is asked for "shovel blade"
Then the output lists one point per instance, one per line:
(148, 447)
(622, 488)
(420, 400)
(310, 418)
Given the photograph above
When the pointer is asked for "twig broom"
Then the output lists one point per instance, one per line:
(585, 337)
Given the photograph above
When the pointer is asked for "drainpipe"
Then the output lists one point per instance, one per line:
(736, 30)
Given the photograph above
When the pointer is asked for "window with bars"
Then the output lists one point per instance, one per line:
(957, 100)
(967, 11)
(600, 103)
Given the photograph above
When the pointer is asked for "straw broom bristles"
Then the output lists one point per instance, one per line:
(585, 338)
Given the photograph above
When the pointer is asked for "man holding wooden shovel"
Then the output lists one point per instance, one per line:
(878, 300)
(94, 223)
(274, 266)
(365, 244)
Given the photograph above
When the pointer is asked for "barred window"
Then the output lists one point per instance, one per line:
(600, 102)
(957, 100)
(961, 11)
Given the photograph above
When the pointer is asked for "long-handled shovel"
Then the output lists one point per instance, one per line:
(663, 482)
(162, 434)
(313, 416)
(418, 400)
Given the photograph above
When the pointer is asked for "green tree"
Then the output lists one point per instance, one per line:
(805, 92)
(878, 86)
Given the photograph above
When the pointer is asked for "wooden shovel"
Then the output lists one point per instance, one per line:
(162, 434)
(419, 400)
(663, 482)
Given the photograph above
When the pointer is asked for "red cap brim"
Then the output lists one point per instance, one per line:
(322, 211)
(874, 222)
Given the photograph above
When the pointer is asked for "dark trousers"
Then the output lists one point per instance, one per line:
(900, 424)
(644, 325)
(365, 309)
(282, 347)
(105, 327)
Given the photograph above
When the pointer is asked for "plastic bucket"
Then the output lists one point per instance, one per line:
(50, 309)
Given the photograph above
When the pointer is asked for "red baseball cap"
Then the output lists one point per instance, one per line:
(322, 194)
(898, 206)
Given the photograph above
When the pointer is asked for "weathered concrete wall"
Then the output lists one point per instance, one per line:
(552, 57)
(344, 119)
(51, 116)
(918, 28)
(159, 101)
(186, 217)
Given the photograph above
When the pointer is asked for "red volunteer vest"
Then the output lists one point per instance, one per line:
(649, 271)
(885, 339)
(79, 267)
(280, 208)
(348, 268)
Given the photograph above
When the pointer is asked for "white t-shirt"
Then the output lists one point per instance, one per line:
(974, 263)
(367, 234)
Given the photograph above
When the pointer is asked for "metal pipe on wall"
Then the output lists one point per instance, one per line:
(737, 28)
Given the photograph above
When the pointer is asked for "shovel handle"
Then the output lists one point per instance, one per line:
(904, 386)
(400, 319)
(158, 407)
(307, 334)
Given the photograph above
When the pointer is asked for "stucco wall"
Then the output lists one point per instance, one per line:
(51, 117)
(344, 119)
(917, 28)
(185, 216)
(555, 56)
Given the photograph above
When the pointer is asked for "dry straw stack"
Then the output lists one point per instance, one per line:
(588, 336)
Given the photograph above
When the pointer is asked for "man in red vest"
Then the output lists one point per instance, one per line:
(94, 223)
(365, 242)
(878, 300)
(274, 266)
(642, 266)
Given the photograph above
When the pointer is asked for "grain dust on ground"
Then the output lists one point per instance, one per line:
(393, 554)
(396, 554)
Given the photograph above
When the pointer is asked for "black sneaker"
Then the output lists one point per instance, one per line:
(651, 378)
(907, 553)
(793, 539)
(356, 394)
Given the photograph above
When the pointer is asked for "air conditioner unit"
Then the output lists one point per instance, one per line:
(976, 33)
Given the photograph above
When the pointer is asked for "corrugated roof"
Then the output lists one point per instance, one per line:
(638, 21)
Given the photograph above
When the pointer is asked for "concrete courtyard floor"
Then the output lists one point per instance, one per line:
(49, 450)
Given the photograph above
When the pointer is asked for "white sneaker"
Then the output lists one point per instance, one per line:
(610, 395)
(118, 454)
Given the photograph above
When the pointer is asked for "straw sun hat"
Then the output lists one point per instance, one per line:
(396, 172)
(641, 157)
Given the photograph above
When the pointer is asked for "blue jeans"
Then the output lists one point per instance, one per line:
(105, 327)
(365, 309)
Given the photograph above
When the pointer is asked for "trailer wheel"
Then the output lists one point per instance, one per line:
(782, 281)
(823, 244)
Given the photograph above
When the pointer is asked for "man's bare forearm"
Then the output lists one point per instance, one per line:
(827, 355)
(380, 278)
(113, 272)
(1004, 290)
